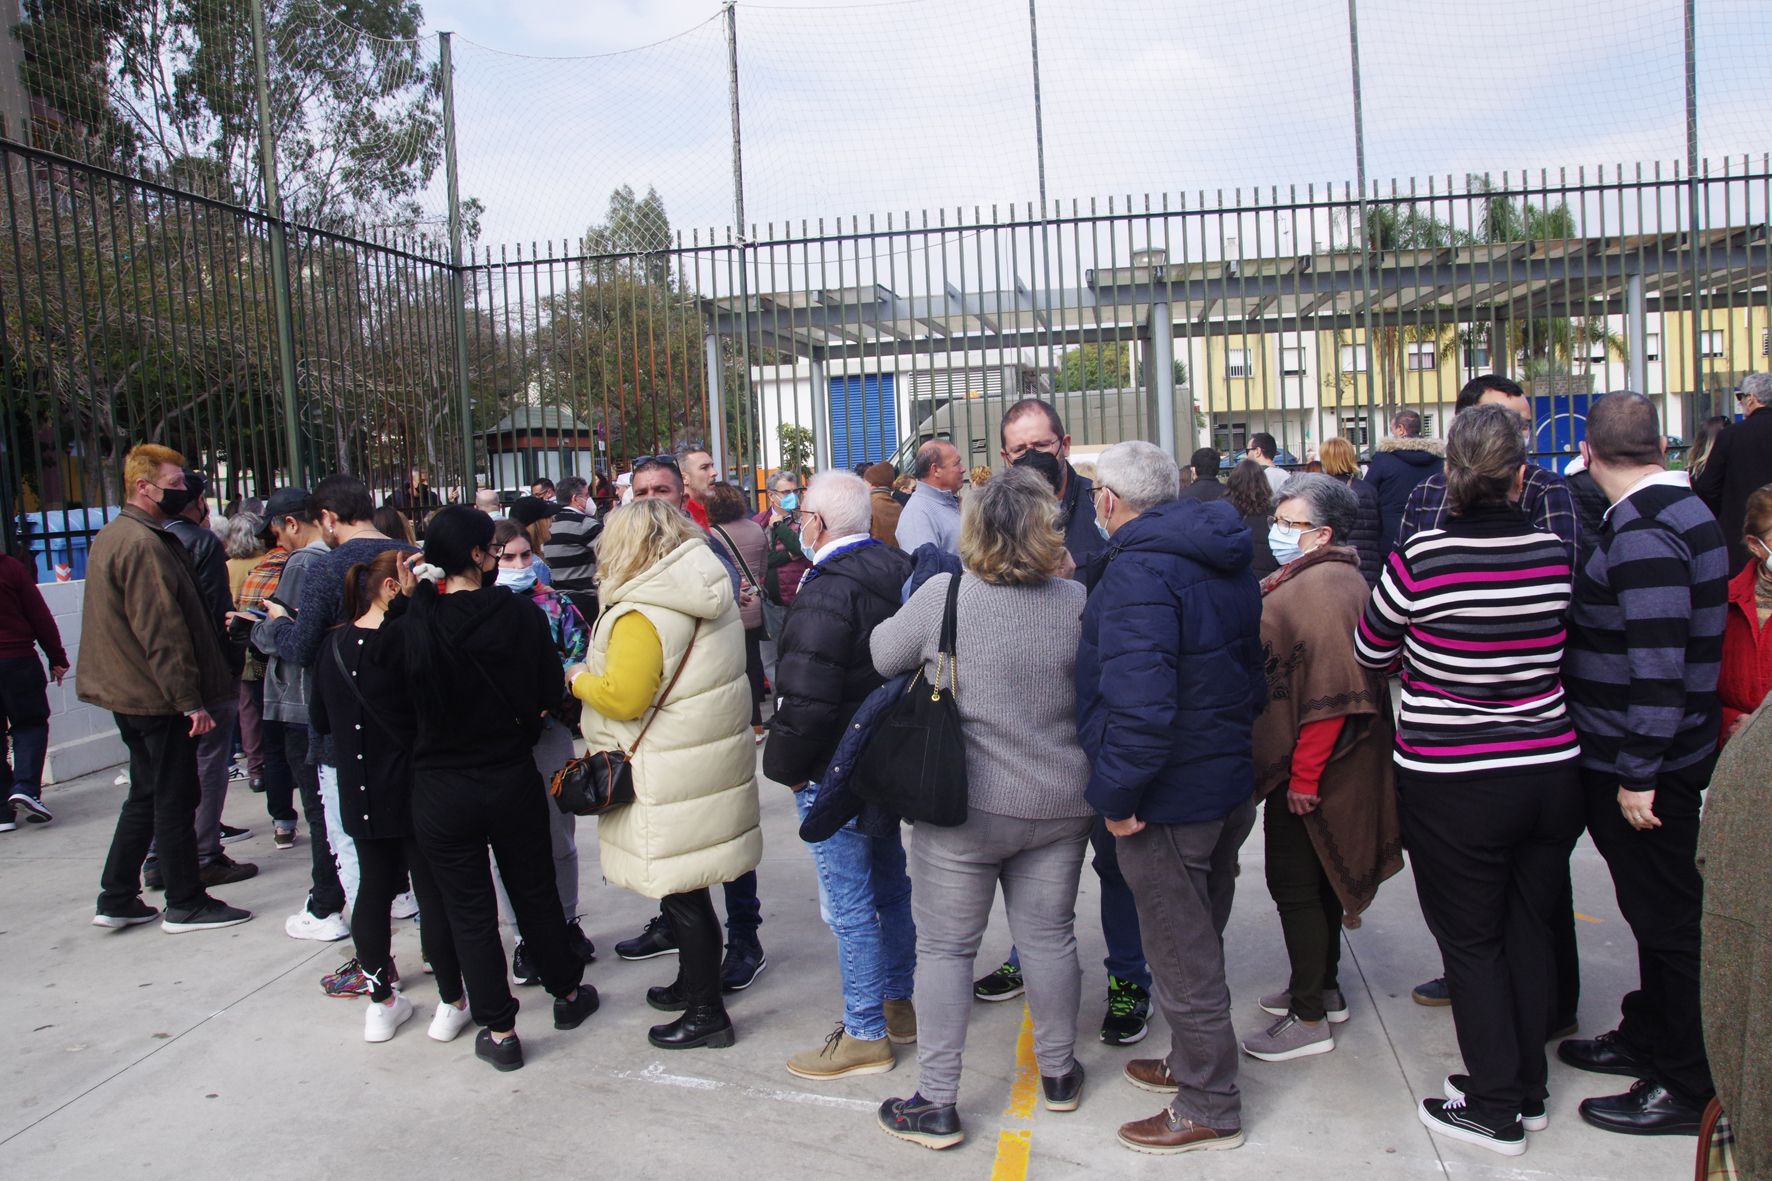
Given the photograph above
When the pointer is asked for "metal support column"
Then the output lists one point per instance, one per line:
(821, 417)
(716, 397)
(1160, 364)
(457, 273)
(1636, 334)
(281, 303)
(1353, 47)
(1701, 398)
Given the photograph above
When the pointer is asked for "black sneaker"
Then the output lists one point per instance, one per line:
(1005, 984)
(129, 914)
(580, 943)
(225, 870)
(571, 1014)
(1533, 1117)
(744, 962)
(1065, 1092)
(230, 834)
(206, 915)
(1128, 1013)
(1434, 994)
(656, 940)
(522, 971)
(505, 1055)
(32, 808)
(151, 876)
(922, 1122)
(1450, 1117)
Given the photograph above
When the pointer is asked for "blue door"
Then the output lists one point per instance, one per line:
(1561, 426)
(864, 419)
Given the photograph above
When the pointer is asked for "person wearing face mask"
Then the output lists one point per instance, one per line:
(788, 559)
(1323, 765)
(1746, 675)
(151, 655)
(516, 573)
(462, 645)
(1485, 755)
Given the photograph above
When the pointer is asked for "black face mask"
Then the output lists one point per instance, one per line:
(174, 501)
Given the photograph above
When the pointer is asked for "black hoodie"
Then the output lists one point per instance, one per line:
(483, 671)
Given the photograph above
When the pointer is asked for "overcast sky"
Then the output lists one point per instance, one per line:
(927, 104)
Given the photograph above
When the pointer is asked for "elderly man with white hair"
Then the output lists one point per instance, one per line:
(823, 672)
(1740, 462)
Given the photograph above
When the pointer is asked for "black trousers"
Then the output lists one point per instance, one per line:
(160, 809)
(1655, 875)
(456, 816)
(1487, 854)
(1310, 909)
(697, 927)
(279, 779)
(753, 670)
(383, 864)
(326, 895)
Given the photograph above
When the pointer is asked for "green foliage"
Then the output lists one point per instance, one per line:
(1094, 367)
(796, 448)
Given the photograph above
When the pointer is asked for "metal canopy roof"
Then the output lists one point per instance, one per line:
(1312, 292)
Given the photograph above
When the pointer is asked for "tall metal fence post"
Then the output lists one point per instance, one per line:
(1160, 365)
(458, 296)
(280, 300)
(1701, 399)
(1636, 333)
(1353, 45)
(718, 443)
(1039, 121)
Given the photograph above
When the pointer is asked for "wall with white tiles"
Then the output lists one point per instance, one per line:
(82, 738)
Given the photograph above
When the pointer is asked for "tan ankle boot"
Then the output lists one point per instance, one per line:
(901, 1022)
(841, 1056)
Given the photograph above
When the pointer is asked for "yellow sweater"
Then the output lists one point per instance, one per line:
(629, 685)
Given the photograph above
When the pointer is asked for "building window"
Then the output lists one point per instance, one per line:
(1424, 356)
(1353, 358)
(1710, 344)
(1230, 438)
(1597, 352)
(1236, 363)
(1476, 356)
(1652, 347)
(1291, 361)
(1356, 430)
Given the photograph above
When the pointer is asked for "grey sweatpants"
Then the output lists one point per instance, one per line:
(552, 750)
(1183, 877)
(954, 876)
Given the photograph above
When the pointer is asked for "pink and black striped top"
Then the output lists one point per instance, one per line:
(1475, 610)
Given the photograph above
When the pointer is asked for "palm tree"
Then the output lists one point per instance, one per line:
(1401, 227)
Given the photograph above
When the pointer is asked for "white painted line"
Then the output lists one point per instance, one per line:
(655, 1074)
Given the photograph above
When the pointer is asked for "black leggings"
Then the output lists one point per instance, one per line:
(753, 668)
(383, 864)
(697, 928)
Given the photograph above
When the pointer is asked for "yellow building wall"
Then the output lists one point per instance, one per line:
(1743, 329)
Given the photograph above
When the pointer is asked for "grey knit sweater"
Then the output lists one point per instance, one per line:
(1017, 688)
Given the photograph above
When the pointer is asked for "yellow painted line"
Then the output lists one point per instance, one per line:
(1588, 918)
(1015, 1144)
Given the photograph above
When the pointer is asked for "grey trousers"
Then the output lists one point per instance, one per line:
(1183, 877)
(954, 877)
(215, 754)
(552, 750)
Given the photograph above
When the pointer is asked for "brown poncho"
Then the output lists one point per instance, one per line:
(1308, 612)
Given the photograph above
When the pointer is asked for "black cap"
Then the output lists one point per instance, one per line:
(284, 502)
(527, 510)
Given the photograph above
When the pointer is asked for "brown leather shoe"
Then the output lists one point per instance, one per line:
(1151, 1074)
(1167, 1132)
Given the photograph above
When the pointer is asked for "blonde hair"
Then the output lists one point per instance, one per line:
(144, 462)
(980, 475)
(639, 534)
(1009, 530)
(1339, 457)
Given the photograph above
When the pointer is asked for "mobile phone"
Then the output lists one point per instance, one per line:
(286, 606)
(255, 612)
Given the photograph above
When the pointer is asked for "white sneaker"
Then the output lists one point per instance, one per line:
(122, 779)
(302, 925)
(380, 1022)
(405, 907)
(449, 1021)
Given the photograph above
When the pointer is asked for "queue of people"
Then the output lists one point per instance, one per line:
(1171, 664)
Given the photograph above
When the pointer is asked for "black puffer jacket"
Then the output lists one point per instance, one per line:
(823, 668)
(1365, 536)
(1396, 468)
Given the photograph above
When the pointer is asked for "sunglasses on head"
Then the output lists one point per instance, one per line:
(669, 461)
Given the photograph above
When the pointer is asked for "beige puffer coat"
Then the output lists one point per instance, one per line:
(694, 819)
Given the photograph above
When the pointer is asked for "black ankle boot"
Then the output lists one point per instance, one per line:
(667, 998)
(700, 1025)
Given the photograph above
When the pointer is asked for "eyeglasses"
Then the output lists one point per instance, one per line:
(1301, 526)
(1050, 446)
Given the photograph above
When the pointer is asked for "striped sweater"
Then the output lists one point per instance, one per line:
(1646, 635)
(1475, 610)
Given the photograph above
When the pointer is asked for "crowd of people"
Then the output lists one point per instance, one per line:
(1451, 653)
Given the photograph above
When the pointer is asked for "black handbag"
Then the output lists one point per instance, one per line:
(604, 779)
(915, 762)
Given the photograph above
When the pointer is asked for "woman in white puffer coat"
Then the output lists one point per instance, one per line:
(669, 627)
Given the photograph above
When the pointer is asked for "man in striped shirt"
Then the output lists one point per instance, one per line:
(1645, 644)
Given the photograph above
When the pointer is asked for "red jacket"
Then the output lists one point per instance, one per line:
(25, 619)
(1746, 677)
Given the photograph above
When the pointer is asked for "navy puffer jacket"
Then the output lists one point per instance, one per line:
(1395, 469)
(1365, 536)
(1169, 672)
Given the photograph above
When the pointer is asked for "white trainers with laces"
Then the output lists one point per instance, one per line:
(302, 925)
(405, 906)
(449, 1021)
(380, 1022)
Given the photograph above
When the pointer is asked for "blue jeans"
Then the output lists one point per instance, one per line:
(864, 896)
(24, 725)
(1119, 915)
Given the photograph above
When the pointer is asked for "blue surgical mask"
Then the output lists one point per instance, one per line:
(1283, 543)
(1102, 529)
(790, 501)
(519, 581)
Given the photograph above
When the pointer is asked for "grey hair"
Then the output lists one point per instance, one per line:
(1758, 386)
(1139, 473)
(777, 476)
(1332, 502)
(842, 501)
(240, 535)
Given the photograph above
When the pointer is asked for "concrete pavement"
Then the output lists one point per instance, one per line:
(215, 1054)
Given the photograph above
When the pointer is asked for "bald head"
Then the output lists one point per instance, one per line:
(939, 464)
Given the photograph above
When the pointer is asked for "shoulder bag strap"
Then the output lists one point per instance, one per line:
(662, 697)
(738, 557)
(338, 658)
(947, 647)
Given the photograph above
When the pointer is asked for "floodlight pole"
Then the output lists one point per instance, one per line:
(1700, 394)
(1353, 45)
(717, 414)
(457, 273)
(281, 302)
